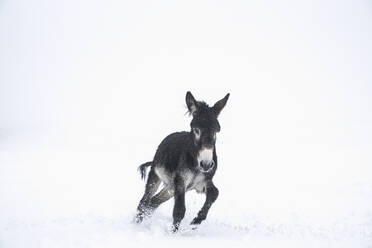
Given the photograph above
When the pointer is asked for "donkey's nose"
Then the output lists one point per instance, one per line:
(207, 165)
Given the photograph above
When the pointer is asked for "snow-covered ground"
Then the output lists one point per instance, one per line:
(88, 89)
(76, 197)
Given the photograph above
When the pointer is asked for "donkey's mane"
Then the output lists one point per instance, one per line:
(202, 107)
(205, 116)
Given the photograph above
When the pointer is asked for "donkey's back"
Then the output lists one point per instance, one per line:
(172, 150)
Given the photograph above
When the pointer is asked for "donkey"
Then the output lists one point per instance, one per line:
(182, 162)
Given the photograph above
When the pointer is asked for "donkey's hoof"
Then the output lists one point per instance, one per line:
(175, 228)
(139, 218)
(196, 221)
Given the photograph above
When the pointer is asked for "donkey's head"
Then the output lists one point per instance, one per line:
(204, 126)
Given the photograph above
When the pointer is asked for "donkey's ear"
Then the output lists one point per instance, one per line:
(218, 106)
(191, 102)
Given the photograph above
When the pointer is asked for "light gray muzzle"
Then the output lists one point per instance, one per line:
(205, 159)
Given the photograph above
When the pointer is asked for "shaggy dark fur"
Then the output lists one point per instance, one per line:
(184, 161)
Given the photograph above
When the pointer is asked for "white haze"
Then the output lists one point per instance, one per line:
(88, 89)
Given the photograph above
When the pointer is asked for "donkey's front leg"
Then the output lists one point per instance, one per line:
(179, 201)
(212, 194)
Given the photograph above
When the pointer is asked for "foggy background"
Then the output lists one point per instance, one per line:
(88, 89)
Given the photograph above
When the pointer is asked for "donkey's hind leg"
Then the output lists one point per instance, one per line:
(164, 195)
(152, 186)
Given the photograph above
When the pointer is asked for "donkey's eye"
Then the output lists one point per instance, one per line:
(197, 131)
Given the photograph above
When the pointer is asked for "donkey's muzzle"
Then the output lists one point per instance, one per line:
(206, 165)
(205, 159)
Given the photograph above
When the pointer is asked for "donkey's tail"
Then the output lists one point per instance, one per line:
(142, 169)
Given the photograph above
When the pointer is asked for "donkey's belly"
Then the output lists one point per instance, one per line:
(195, 181)
(191, 180)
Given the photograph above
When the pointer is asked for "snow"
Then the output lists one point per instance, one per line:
(88, 90)
(240, 231)
(51, 201)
